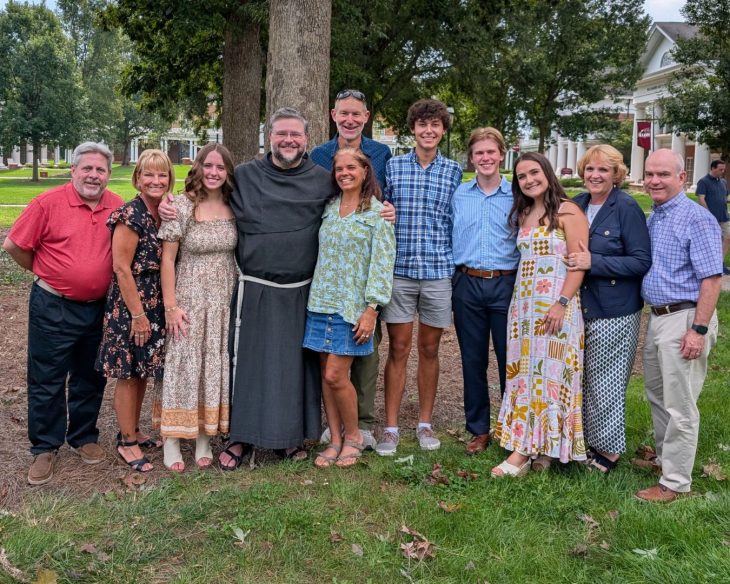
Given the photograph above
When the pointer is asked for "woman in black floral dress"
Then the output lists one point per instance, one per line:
(132, 350)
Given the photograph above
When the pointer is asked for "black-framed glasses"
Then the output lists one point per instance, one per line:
(345, 93)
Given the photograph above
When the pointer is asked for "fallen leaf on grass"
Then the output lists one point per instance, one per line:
(437, 477)
(604, 545)
(88, 548)
(307, 482)
(646, 452)
(613, 515)
(102, 557)
(46, 577)
(382, 537)
(417, 549)
(579, 551)
(336, 537)
(726, 542)
(133, 480)
(449, 507)
(467, 474)
(724, 447)
(405, 460)
(651, 554)
(240, 535)
(357, 549)
(713, 470)
(470, 566)
(589, 521)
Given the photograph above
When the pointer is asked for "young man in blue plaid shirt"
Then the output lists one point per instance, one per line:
(420, 185)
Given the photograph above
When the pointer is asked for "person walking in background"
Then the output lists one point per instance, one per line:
(61, 236)
(682, 288)
(350, 114)
(614, 260)
(354, 274)
(198, 273)
(132, 350)
(486, 258)
(541, 415)
(712, 194)
(420, 185)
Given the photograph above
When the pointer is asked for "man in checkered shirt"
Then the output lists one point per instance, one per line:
(420, 185)
(682, 287)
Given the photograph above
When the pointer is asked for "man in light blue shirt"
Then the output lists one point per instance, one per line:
(486, 258)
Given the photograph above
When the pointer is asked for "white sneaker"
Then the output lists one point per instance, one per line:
(427, 439)
(368, 439)
(388, 444)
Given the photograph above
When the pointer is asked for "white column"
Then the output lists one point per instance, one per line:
(44, 155)
(15, 156)
(656, 114)
(561, 156)
(56, 155)
(637, 152)
(134, 150)
(580, 153)
(29, 154)
(702, 162)
(571, 156)
(553, 151)
(678, 143)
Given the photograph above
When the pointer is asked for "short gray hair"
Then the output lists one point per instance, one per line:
(92, 148)
(288, 113)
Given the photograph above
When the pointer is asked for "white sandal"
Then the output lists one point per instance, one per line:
(510, 470)
(172, 455)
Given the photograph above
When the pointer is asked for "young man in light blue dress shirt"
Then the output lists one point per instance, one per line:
(486, 258)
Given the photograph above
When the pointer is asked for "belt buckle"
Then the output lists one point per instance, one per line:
(663, 310)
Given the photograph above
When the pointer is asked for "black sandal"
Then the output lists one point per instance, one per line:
(236, 458)
(600, 463)
(149, 443)
(136, 465)
(298, 454)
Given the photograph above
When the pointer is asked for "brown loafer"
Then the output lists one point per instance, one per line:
(477, 444)
(658, 494)
(41, 471)
(91, 453)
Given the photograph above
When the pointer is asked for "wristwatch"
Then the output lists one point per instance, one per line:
(563, 300)
(374, 306)
(699, 329)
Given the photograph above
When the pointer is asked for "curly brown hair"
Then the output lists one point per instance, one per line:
(428, 109)
(370, 186)
(194, 189)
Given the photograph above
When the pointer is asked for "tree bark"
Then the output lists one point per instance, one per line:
(241, 88)
(298, 66)
(36, 157)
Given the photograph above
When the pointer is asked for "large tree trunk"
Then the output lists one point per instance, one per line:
(298, 66)
(36, 158)
(241, 87)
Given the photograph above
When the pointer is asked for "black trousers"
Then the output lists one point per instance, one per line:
(480, 310)
(63, 339)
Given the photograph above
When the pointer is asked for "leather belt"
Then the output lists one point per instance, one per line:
(51, 290)
(488, 274)
(671, 308)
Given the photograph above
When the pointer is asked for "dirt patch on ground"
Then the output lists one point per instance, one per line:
(79, 480)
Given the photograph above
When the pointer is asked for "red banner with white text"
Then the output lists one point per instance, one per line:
(643, 135)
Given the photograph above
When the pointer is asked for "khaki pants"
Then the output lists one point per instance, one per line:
(673, 385)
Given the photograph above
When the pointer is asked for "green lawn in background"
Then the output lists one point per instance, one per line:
(290, 522)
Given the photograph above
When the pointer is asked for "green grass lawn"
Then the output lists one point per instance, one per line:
(290, 522)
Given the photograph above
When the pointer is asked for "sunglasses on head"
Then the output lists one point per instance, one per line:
(345, 93)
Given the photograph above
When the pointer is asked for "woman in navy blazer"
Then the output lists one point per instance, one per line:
(616, 258)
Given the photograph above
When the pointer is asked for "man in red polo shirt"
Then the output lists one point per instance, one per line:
(63, 239)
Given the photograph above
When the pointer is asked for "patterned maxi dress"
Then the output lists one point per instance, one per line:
(195, 388)
(541, 408)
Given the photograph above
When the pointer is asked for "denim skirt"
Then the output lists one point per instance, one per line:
(329, 333)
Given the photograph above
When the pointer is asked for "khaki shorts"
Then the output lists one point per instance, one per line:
(431, 299)
(725, 226)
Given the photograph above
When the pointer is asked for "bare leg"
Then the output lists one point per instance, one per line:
(399, 337)
(428, 370)
(336, 380)
(126, 395)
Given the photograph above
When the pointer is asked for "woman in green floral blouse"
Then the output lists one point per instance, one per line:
(353, 277)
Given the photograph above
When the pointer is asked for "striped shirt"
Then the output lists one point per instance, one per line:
(686, 248)
(422, 199)
(482, 238)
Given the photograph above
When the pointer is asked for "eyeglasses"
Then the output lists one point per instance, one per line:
(345, 93)
(284, 134)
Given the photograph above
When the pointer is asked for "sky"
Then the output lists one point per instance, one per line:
(661, 10)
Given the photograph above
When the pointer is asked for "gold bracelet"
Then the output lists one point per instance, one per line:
(171, 309)
(136, 316)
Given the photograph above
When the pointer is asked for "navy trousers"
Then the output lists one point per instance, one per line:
(481, 311)
(63, 339)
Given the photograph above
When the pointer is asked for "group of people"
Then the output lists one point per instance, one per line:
(331, 244)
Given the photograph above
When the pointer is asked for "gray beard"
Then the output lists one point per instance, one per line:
(288, 162)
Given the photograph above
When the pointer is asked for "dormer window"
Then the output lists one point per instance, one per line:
(667, 59)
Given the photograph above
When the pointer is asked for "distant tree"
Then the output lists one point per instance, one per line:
(620, 136)
(699, 102)
(196, 54)
(40, 95)
(297, 72)
(570, 54)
